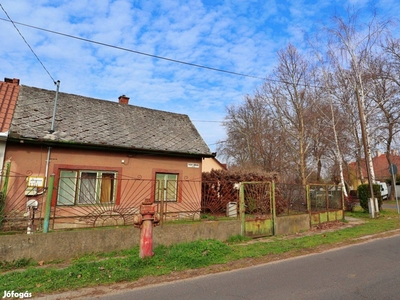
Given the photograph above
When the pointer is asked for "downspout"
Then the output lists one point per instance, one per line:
(48, 205)
(47, 165)
(51, 131)
(49, 148)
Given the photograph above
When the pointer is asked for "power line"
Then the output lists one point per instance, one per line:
(9, 20)
(116, 47)
(154, 56)
(216, 143)
(214, 69)
(136, 52)
(205, 121)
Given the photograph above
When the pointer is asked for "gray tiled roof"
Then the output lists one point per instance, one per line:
(83, 120)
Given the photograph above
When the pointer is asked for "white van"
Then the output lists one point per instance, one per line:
(384, 190)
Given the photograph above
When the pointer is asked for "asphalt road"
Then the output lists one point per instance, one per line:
(370, 270)
(390, 206)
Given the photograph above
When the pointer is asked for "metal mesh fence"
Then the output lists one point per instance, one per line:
(257, 199)
(13, 202)
(290, 199)
(325, 197)
(217, 196)
(100, 203)
(101, 199)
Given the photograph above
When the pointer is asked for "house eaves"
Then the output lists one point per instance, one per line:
(105, 148)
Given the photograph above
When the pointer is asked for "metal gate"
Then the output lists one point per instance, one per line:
(257, 209)
(326, 203)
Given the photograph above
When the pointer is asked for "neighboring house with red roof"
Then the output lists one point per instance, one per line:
(107, 157)
(8, 94)
(381, 168)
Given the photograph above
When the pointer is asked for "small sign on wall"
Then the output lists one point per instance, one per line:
(193, 165)
(35, 181)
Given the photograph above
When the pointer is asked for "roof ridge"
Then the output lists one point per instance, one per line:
(104, 100)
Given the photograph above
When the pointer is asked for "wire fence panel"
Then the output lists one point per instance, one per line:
(290, 199)
(325, 197)
(93, 199)
(13, 207)
(88, 199)
(98, 204)
(101, 200)
(217, 195)
(257, 199)
(188, 205)
(335, 197)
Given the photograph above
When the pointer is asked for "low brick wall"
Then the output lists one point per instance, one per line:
(67, 244)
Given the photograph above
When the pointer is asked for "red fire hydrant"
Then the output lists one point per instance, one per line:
(146, 220)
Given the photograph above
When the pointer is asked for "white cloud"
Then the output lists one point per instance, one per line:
(233, 35)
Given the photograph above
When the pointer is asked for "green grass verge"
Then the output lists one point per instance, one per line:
(106, 268)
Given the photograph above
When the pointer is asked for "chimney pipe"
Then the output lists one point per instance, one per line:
(123, 99)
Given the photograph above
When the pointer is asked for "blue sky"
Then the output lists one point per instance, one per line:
(234, 35)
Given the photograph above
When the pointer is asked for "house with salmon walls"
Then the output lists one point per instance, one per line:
(105, 158)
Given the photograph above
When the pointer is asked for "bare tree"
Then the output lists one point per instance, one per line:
(331, 115)
(341, 89)
(291, 98)
(386, 96)
(392, 49)
(354, 44)
(253, 137)
(304, 118)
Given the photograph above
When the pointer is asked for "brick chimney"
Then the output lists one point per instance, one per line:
(14, 80)
(123, 99)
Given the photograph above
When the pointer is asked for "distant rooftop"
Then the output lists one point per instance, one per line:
(9, 89)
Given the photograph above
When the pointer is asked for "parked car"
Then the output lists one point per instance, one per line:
(384, 190)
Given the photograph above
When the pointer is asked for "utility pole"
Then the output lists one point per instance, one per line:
(372, 204)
